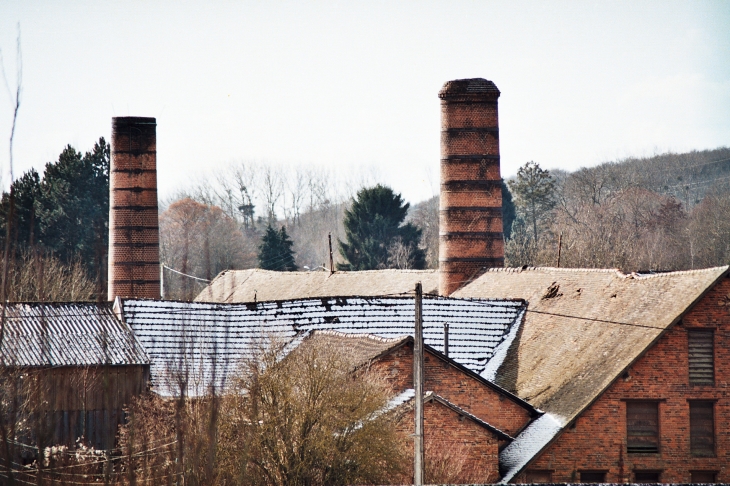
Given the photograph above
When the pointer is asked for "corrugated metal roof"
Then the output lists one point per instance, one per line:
(203, 341)
(67, 334)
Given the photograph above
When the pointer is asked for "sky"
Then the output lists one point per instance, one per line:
(352, 86)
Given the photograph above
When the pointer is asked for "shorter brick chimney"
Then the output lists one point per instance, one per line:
(134, 235)
(470, 216)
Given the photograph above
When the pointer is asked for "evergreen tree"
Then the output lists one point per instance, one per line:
(374, 232)
(275, 251)
(508, 211)
(534, 194)
(67, 210)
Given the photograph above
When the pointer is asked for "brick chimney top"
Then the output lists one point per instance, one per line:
(475, 88)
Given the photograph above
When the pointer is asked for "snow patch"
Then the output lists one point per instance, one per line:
(531, 441)
(500, 352)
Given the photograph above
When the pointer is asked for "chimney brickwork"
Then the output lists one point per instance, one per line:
(134, 248)
(470, 216)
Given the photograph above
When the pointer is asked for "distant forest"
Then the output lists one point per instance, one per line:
(666, 212)
(661, 213)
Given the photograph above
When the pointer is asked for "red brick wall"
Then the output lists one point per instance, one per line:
(470, 216)
(455, 386)
(598, 440)
(457, 449)
(134, 249)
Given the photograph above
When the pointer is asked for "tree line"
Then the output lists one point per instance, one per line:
(666, 212)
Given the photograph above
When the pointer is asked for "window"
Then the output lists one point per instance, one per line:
(539, 476)
(701, 357)
(702, 428)
(646, 476)
(642, 427)
(703, 476)
(593, 476)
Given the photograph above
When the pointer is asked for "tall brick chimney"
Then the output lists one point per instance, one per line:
(134, 236)
(470, 219)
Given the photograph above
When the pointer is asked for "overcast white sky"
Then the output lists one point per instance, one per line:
(354, 84)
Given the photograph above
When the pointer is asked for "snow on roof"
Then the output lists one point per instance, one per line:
(583, 327)
(532, 440)
(67, 334)
(202, 343)
(403, 397)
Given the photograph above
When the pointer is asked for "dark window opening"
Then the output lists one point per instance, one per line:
(703, 476)
(646, 476)
(539, 476)
(593, 476)
(701, 357)
(642, 427)
(702, 428)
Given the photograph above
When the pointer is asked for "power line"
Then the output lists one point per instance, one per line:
(185, 274)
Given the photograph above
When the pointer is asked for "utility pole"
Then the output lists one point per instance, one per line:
(418, 386)
(560, 246)
(332, 265)
(446, 339)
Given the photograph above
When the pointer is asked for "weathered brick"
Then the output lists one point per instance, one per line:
(598, 439)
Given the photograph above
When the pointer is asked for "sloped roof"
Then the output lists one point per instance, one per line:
(359, 348)
(583, 328)
(404, 401)
(237, 286)
(206, 341)
(67, 334)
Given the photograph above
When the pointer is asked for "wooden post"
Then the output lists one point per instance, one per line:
(418, 387)
(332, 265)
(560, 246)
(446, 339)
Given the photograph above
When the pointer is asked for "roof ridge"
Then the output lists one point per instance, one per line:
(679, 272)
(460, 410)
(332, 332)
(617, 271)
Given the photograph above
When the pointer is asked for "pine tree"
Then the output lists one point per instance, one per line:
(66, 210)
(534, 194)
(275, 251)
(375, 237)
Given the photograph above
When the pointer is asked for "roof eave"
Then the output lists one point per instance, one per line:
(575, 416)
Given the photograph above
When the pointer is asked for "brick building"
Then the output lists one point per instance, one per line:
(631, 370)
(461, 445)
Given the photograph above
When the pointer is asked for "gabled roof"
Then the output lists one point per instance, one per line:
(205, 341)
(256, 285)
(367, 348)
(583, 328)
(67, 334)
(359, 348)
(404, 401)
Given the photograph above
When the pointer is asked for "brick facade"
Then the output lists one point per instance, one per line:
(470, 226)
(457, 450)
(456, 386)
(597, 441)
(134, 247)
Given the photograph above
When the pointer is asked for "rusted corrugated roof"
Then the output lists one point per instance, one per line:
(237, 286)
(204, 342)
(67, 334)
